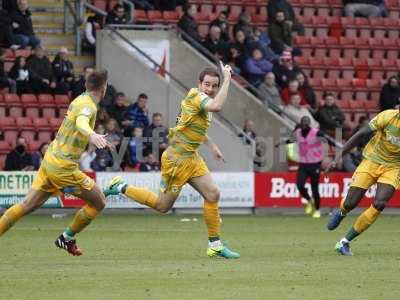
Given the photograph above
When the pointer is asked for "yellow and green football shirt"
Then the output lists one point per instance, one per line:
(69, 142)
(193, 123)
(384, 146)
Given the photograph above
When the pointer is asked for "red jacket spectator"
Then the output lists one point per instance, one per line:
(293, 89)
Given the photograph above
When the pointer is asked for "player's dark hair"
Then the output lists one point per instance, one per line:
(210, 72)
(96, 80)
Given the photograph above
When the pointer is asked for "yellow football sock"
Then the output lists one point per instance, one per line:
(11, 215)
(211, 217)
(142, 196)
(367, 218)
(82, 219)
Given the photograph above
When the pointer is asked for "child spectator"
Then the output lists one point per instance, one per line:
(20, 73)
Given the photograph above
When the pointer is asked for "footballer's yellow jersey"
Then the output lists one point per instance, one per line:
(192, 125)
(384, 146)
(70, 143)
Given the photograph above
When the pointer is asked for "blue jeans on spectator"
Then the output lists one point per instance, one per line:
(26, 40)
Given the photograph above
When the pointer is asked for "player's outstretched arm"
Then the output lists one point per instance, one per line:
(214, 149)
(98, 140)
(350, 144)
(216, 104)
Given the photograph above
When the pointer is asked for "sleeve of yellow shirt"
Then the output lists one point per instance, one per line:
(382, 119)
(82, 124)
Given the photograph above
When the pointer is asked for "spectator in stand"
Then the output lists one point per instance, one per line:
(364, 8)
(188, 24)
(41, 71)
(102, 161)
(269, 92)
(20, 74)
(257, 67)
(307, 91)
(117, 15)
(87, 158)
(137, 113)
(330, 116)
(113, 133)
(261, 40)
(109, 97)
(93, 23)
(282, 5)
(37, 156)
(352, 159)
(78, 87)
(293, 89)
(6, 33)
(5, 80)
(241, 49)
(390, 94)
(102, 118)
(158, 131)
(244, 24)
(118, 109)
(63, 71)
(222, 22)
(362, 122)
(150, 164)
(135, 147)
(295, 111)
(19, 159)
(280, 33)
(143, 4)
(285, 70)
(214, 43)
(22, 26)
(248, 135)
(234, 59)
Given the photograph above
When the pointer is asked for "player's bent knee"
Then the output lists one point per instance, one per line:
(213, 195)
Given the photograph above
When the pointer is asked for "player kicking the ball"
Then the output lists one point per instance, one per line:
(59, 170)
(381, 165)
(181, 163)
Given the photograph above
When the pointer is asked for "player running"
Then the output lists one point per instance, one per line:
(59, 170)
(181, 163)
(381, 165)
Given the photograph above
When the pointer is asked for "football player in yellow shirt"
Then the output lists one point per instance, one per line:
(181, 163)
(59, 170)
(380, 165)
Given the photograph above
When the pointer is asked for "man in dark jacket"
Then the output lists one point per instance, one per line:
(119, 108)
(22, 26)
(390, 94)
(159, 132)
(6, 81)
(283, 5)
(330, 116)
(117, 15)
(18, 159)
(280, 33)
(63, 70)
(41, 70)
(285, 70)
(222, 22)
(188, 24)
(78, 86)
(214, 42)
(6, 34)
(136, 115)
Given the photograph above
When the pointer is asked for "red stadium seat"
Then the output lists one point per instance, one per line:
(34, 145)
(343, 104)
(11, 136)
(62, 112)
(24, 123)
(29, 100)
(373, 83)
(45, 136)
(5, 147)
(206, 8)
(101, 4)
(2, 161)
(259, 19)
(155, 16)
(32, 112)
(329, 83)
(41, 124)
(343, 83)
(140, 16)
(61, 100)
(15, 112)
(356, 105)
(55, 123)
(12, 100)
(29, 135)
(171, 16)
(7, 123)
(302, 40)
(49, 112)
(46, 100)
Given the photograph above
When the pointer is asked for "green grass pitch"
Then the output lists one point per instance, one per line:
(160, 257)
